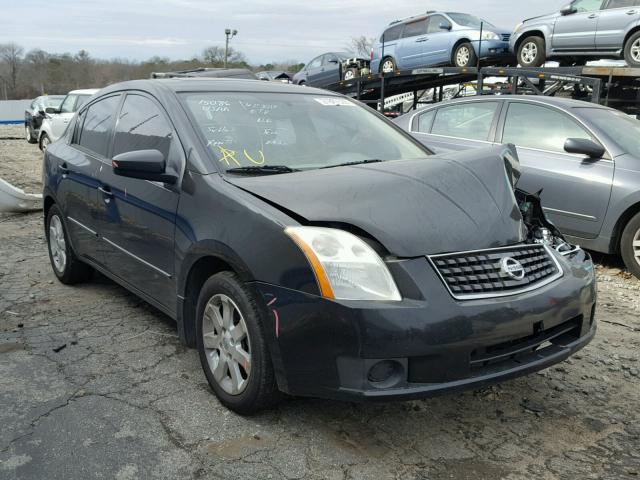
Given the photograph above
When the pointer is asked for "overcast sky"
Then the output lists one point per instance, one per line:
(268, 29)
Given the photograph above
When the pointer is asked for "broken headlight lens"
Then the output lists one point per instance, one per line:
(346, 267)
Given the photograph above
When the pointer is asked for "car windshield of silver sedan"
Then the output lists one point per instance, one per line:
(271, 133)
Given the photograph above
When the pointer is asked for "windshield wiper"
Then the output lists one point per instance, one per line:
(359, 162)
(263, 169)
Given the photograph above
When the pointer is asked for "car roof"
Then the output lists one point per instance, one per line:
(212, 85)
(86, 91)
(555, 101)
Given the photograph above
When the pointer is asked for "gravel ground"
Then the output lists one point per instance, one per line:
(95, 384)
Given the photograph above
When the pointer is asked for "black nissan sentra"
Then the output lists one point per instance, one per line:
(306, 245)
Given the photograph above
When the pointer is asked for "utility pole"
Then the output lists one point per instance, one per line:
(229, 34)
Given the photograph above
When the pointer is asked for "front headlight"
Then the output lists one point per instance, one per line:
(490, 36)
(345, 267)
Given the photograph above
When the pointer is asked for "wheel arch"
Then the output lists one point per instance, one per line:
(459, 42)
(531, 33)
(620, 225)
(629, 34)
(48, 202)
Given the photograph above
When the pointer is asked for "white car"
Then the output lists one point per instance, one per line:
(54, 125)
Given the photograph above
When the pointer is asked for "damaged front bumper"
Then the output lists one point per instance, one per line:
(429, 342)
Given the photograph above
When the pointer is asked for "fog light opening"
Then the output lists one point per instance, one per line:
(385, 374)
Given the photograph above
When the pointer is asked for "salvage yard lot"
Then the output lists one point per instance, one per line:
(94, 383)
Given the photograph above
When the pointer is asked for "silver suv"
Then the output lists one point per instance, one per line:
(580, 31)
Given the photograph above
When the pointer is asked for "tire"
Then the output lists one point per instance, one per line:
(350, 74)
(245, 391)
(28, 135)
(532, 52)
(630, 245)
(632, 50)
(44, 142)
(387, 65)
(302, 83)
(464, 56)
(66, 265)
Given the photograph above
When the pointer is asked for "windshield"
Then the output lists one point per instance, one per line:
(622, 129)
(54, 102)
(471, 21)
(299, 131)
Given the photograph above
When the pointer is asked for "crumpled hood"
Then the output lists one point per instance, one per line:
(445, 203)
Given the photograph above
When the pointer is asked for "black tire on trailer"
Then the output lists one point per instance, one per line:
(464, 55)
(532, 52)
(632, 50)
(387, 65)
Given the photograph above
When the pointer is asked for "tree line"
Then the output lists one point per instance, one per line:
(37, 72)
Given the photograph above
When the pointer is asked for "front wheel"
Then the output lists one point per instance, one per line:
(531, 52)
(464, 56)
(632, 50)
(28, 135)
(350, 74)
(231, 343)
(44, 142)
(630, 245)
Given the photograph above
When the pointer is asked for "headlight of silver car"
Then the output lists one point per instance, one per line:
(345, 267)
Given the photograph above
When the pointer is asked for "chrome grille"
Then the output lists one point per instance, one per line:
(482, 274)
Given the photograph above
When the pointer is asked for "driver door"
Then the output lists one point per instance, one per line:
(577, 31)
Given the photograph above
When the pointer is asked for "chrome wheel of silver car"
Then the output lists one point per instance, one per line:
(57, 244)
(462, 56)
(635, 50)
(636, 246)
(529, 52)
(388, 66)
(226, 344)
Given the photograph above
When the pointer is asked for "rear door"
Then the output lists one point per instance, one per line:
(78, 184)
(575, 190)
(137, 217)
(330, 72)
(411, 50)
(617, 18)
(577, 31)
(314, 70)
(457, 127)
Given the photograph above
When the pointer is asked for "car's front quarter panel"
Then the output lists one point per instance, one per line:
(540, 26)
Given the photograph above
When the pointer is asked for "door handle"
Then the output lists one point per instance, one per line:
(106, 191)
(63, 168)
(631, 12)
(423, 39)
(592, 16)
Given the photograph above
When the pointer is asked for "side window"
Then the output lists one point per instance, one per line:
(141, 126)
(68, 104)
(414, 29)
(98, 121)
(582, 6)
(393, 33)
(424, 121)
(315, 63)
(434, 24)
(621, 3)
(534, 126)
(471, 120)
(326, 59)
(82, 99)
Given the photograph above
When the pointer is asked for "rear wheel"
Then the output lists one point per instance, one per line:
(630, 245)
(632, 50)
(350, 74)
(66, 265)
(531, 52)
(387, 65)
(232, 346)
(44, 142)
(464, 55)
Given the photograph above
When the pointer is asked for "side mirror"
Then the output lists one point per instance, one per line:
(445, 26)
(145, 165)
(568, 10)
(51, 110)
(583, 146)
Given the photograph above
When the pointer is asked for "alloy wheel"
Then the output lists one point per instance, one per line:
(462, 56)
(57, 244)
(227, 344)
(349, 75)
(529, 52)
(636, 246)
(387, 66)
(45, 143)
(635, 50)
(27, 133)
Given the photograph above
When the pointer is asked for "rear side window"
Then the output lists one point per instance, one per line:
(315, 63)
(414, 29)
(471, 121)
(434, 24)
(98, 122)
(392, 33)
(424, 122)
(68, 106)
(534, 126)
(141, 126)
